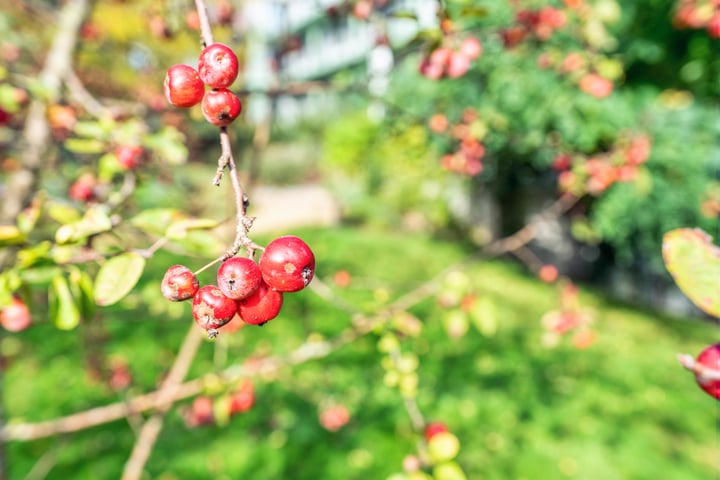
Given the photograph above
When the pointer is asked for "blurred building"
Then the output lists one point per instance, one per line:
(309, 40)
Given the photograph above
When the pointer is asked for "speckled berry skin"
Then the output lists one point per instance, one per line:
(218, 66)
(211, 309)
(287, 264)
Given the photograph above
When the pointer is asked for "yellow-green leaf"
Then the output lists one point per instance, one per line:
(117, 277)
(694, 263)
(64, 310)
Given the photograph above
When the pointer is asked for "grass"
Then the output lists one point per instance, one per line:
(622, 409)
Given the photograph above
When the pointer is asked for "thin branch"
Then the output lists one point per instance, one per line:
(151, 429)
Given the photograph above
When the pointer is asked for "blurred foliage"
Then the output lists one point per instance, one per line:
(531, 108)
(619, 409)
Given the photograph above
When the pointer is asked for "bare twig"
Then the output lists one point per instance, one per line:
(151, 429)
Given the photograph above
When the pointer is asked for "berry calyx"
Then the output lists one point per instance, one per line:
(239, 277)
(16, 316)
(211, 309)
(260, 307)
(220, 106)
(183, 86)
(218, 65)
(179, 283)
(287, 264)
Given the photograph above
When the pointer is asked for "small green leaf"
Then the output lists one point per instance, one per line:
(90, 129)
(180, 228)
(32, 255)
(83, 145)
(63, 310)
(117, 277)
(63, 213)
(484, 316)
(82, 287)
(156, 220)
(96, 220)
(11, 235)
(694, 263)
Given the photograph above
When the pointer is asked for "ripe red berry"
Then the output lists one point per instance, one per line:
(287, 264)
(183, 86)
(218, 65)
(238, 277)
(260, 307)
(128, 156)
(220, 106)
(211, 309)
(83, 189)
(706, 368)
(243, 398)
(471, 48)
(433, 428)
(179, 283)
(16, 316)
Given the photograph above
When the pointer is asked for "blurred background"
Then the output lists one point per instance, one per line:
(485, 185)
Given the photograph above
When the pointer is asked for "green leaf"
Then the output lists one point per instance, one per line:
(62, 213)
(484, 316)
(64, 311)
(11, 235)
(90, 129)
(32, 255)
(694, 263)
(84, 145)
(180, 228)
(156, 220)
(117, 277)
(82, 287)
(96, 220)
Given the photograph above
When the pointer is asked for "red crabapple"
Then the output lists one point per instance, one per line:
(220, 106)
(211, 309)
(16, 316)
(183, 86)
(471, 48)
(83, 189)
(218, 65)
(706, 368)
(128, 156)
(287, 264)
(179, 283)
(260, 307)
(458, 65)
(433, 428)
(238, 277)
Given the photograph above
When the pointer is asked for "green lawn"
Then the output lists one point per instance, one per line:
(621, 409)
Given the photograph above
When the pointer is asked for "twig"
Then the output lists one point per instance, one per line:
(151, 429)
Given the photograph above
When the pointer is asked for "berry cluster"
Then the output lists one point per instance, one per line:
(217, 68)
(594, 175)
(451, 62)
(540, 24)
(698, 14)
(467, 137)
(253, 291)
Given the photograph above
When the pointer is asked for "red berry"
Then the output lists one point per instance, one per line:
(16, 316)
(211, 309)
(458, 65)
(218, 65)
(220, 106)
(83, 189)
(129, 156)
(471, 48)
(433, 428)
(243, 398)
(179, 283)
(183, 87)
(287, 264)
(707, 370)
(238, 277)
(260, 307)
(548, 273)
